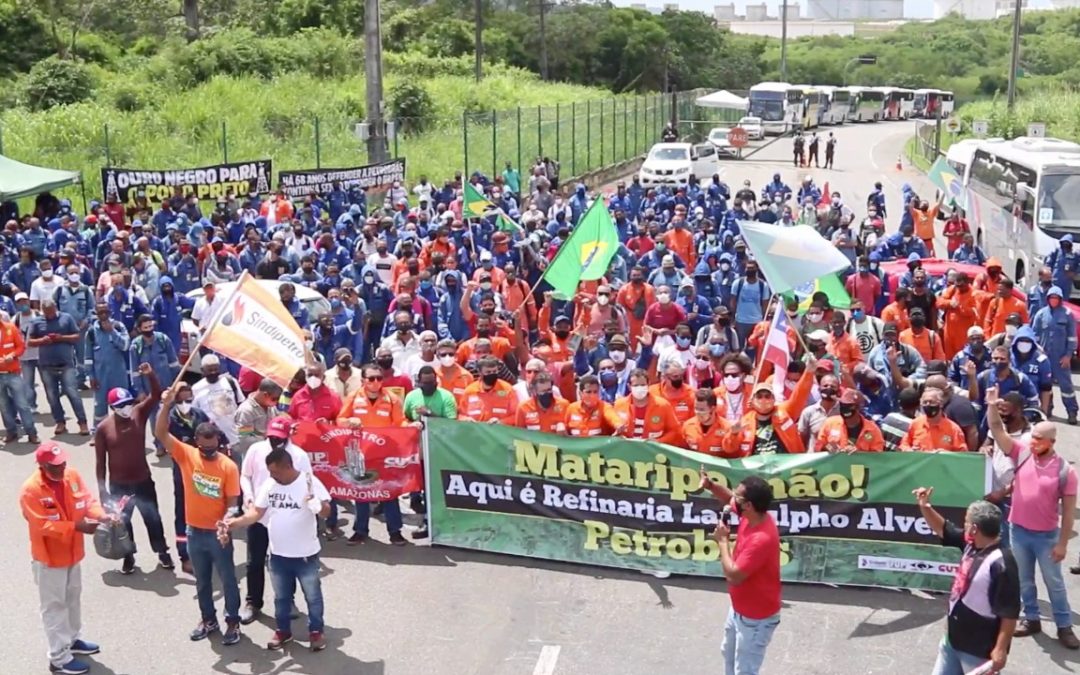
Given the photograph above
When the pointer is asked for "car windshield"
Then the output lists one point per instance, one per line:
(752, 121)
(669, 154)
(1059, 202)
(718, 134)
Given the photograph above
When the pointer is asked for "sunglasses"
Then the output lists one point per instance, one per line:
(374, 378)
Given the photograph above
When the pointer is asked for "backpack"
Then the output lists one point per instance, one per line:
(58, 295)
(736, 289)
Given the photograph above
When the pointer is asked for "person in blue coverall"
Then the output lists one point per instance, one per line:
(107, 347)
(1055, 329)
(153, 347)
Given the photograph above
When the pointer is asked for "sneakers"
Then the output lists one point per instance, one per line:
(129, 565)
(232, 633)
(318, 642)
(333, 533)
(279, 640)
(1027, 627)
(1075, 569)
(249, 613)
(1068, 639)
(356, 539)
(420, 532)
(203, 630)
(166, 561)
(397, 540)
(84, 647)
(1072, 419)
(72, 667)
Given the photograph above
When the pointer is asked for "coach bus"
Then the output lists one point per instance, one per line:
(778, 104)
(897, 103)
(813, 107)
(929, 103)
(865, 104)
(838, 100)
(1023, 195)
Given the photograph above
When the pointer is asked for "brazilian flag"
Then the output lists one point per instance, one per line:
(586, 253)
(830, 284)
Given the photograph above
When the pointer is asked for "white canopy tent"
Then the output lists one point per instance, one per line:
(722, 99)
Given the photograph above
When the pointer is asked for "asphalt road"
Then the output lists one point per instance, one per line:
(432, 610)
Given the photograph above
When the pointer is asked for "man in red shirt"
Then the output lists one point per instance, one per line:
(752, 571)
(315, 400)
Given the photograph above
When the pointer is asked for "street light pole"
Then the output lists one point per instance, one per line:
(1014, 60)
(783, 40)
(376, 142)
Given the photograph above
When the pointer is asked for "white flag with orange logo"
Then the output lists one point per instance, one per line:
(254, 329)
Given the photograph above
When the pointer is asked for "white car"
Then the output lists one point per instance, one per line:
(755, 129)
(673, 163)
(718, 138)
(312, 300)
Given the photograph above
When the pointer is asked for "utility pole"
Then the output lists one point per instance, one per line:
(1014, 60)
(783, 40)
(479, 40)
(543, 41)
(376, 142)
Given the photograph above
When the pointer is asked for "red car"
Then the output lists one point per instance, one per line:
(937, 268)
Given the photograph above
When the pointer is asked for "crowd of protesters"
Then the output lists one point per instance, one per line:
(413, 310)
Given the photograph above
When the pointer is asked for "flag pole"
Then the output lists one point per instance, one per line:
(206, 331)
(761, 357)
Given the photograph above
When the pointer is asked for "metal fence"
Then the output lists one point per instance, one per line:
(927, 145)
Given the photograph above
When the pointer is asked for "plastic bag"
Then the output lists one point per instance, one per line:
(111, 541)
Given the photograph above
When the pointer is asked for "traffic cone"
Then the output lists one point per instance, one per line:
(899, 163)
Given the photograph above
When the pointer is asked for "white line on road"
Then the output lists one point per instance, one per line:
(549, 656)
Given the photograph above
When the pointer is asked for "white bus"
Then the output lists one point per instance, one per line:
(865, 104)
(778, 104)
(907, 103)
(897, 103)
(1023, 196)
(839, 104)
(928, 103)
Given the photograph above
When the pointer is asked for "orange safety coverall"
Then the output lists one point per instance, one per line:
(534, 418)
(657, 423)
(961, 313)
(600, 421)
(999, 309)
(682, 399)
(500, 403)
(709, 441)
(835, 431)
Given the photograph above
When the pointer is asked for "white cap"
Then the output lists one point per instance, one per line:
(818, 335)
(210, 360)
(975, 330)
(667, 260)
(21, 296)
(486, 255)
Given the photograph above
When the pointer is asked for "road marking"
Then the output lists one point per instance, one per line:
(549, 656)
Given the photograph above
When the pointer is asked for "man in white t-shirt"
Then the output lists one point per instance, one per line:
(291, 501)
(206, 306)
(44, 287)
(218, 395)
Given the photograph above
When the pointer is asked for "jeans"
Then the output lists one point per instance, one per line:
(13, 401)
(745, 641)
(391, 511)
(144, 496)
(207, 553)
(62, 380)
(953, 662)
(1005, 507)
(258, 542)
(29, 376)
(284, 573)
(1030, 547)
(179, 522)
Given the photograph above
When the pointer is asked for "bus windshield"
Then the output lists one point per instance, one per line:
(1059, 201)
(768, 105)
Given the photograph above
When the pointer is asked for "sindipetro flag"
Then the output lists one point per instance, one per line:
(473, 202)
(791, 256)
(829, 284)
(254, 329)
(586, 253)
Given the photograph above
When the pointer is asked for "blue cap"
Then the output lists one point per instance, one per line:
(875, 257)
(561, 318)
(914, 257)
(1055, 290)
(1067, 238)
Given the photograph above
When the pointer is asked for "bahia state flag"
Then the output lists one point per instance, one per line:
(586, 253)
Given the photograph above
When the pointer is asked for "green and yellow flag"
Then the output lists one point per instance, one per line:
(473, 203)
(505, 224)
(829, 284)
(943, 176)
(586, 253)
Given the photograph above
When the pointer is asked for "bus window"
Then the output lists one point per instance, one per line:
(1059, 201)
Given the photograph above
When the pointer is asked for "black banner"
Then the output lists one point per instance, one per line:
(297, 184)
(207, 182)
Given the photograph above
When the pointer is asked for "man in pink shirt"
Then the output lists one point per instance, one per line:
(864, 286)
(1043, 482)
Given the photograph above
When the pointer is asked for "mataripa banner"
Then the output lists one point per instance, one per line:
(843, 519)
(298, 184)
(206, 183)
(363, 465)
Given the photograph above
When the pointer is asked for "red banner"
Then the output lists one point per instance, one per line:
(363, 465)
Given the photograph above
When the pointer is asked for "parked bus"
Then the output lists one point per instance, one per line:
(865, 104)
(778, 104)
(839, 104)
(897, 103)
(812, 106)
(1023, 195)
(929, 103)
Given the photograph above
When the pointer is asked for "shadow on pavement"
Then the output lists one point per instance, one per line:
(295, 657)
(1048, 643)
(163, 582)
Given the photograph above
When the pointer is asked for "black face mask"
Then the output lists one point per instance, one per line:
(637, 281)
(148, 332)
(918, 323)
(931, 410)
(676, 382)
(213, 378)
(428, 388)
(847, 409)
(208, 453)
(385, 362)
(828, 394)
(483, 332)
(920, 283)
(723, 323)
(278, 443)
(404, 327)
(545, 399)
(345, 364)
(490, 379)
(562, 334)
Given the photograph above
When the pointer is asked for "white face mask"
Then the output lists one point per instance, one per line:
(124, 411)
(602, 300)
(446, 361)
(184, 407)
(815, 316)
(663, 298)
(46, 274)
(639, 391)
(314, 382)
(74, 278)
(701, 363)
(485, 285)
(732, 383)
(617, 357)
(1024, 347)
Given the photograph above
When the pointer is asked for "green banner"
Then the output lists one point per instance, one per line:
(843, 519)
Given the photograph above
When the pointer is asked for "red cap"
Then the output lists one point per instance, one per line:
(825, 366)
(279, 427)
(50, 453)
